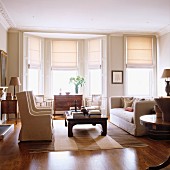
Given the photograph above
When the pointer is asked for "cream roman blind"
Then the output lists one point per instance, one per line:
(139, 52)
(94, 53)
(64, 54)
(34, 59)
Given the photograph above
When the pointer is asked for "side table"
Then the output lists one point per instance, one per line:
(9, 107)
(156, 127)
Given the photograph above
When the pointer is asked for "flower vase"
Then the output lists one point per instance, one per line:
(76, 89)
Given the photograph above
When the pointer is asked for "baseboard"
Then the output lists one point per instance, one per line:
(5, 130)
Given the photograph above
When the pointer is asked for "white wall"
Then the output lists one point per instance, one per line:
(115, 62)
(163, 61)
(14, 53)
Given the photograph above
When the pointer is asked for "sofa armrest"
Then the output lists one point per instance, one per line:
(142, 108)
(115, 102)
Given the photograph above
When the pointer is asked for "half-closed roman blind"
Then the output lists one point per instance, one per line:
(139, 52)
(64, 54)
(34, 59)
(94, 53)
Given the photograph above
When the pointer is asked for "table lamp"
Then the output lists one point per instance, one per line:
(14, 82)
(166, 75)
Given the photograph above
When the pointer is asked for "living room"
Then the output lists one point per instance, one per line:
(151, 21)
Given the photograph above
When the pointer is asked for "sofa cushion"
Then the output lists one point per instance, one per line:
(129, 109)
(126, 102)
(122, 113)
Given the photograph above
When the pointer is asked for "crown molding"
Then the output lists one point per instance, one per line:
(5, 20)
(164, 30)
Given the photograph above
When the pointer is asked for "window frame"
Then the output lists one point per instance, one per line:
(153, 91)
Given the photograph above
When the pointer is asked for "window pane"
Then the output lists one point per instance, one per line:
(95, 84)
(139, 82)
(33, 79)
(60, 80)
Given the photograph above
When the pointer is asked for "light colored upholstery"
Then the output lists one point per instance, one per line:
(39, 100)
(94, 103)
(129, 121)
(33, 127)
(37, 110)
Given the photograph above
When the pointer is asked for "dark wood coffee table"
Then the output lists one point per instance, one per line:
(86, 120)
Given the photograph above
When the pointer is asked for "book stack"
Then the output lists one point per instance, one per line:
(77, 115)
(94, 113)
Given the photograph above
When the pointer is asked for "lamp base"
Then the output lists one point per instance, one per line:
(167, 88)
(14, 97)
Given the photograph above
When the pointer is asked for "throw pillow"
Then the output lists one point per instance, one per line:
(128, 102)
(123, 102)
(129, 109)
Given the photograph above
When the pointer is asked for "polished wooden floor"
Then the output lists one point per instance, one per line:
(139, 158)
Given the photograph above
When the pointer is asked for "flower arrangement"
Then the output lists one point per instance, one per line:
(77, 81)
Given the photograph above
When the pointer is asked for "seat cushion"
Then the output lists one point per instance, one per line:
(92, 108)
(126, 115)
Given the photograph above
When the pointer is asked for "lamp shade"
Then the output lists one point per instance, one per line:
(15, 81)
(166, 73)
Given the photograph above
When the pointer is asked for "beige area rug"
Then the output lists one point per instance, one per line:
(86, 137)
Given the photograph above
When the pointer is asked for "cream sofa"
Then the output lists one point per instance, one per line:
(129, 120)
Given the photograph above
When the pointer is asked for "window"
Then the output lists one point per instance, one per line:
(33, 77)
(60, 81)
(64, 65)
(139, 81)
(139, 66)
(94, 66)
(34, 64)
(49, 64)
(95, 81)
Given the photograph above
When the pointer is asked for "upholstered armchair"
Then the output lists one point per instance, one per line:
(40, 100)
(94, 103)
(33, 127)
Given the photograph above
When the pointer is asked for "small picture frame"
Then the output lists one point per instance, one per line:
(117, 77)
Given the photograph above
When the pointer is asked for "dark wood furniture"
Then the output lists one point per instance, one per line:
(64, 102)
(156, 127)
(160, 166)
(86, 120)
(9, 107)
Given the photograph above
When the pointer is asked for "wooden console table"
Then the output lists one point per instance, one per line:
(157, 128)
(9, 107)
(64, 102)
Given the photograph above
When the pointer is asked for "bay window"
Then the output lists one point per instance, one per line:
(49, 64)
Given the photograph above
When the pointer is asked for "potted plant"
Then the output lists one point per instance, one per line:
(77, 81)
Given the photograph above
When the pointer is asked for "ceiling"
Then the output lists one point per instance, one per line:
(87, 16)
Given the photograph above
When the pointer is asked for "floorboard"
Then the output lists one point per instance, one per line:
(138, 158)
